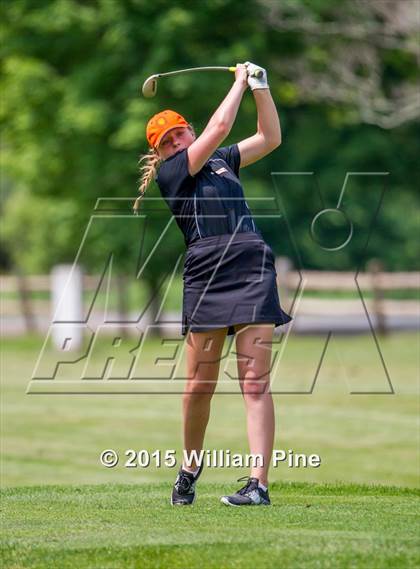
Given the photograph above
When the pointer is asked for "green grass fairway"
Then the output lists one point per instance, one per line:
(63, 509)
(126, 526)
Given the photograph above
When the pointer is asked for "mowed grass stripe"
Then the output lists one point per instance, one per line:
(308, 525)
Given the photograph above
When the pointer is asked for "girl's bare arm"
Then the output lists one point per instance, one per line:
(268, 135)
(219, 124)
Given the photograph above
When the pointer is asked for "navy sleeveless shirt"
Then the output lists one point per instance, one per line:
(210, 203)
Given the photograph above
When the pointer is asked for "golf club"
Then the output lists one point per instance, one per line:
(149, 88)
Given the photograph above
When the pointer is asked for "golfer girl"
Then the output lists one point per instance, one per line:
(229, 274)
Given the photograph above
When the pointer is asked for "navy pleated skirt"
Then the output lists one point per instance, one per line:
(230, 279)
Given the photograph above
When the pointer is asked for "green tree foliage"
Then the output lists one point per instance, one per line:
(73, 119)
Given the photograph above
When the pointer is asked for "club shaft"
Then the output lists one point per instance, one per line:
(212, 68)
(257, 73)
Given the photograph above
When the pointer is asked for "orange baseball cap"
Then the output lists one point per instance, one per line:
(161, 123)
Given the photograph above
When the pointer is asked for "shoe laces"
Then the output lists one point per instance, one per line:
(245, 488)
(184, 483)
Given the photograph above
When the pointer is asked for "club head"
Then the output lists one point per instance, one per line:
(149, 88)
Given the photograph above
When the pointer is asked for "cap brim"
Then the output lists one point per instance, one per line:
(162, 134)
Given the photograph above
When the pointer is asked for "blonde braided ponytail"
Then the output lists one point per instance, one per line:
(147, 173)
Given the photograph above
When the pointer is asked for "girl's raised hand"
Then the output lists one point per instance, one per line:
(241, 74)
(254, 82)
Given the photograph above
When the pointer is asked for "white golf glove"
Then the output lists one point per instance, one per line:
(256, 82)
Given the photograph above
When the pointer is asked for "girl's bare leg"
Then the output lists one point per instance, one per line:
(253, 347)
(204, 350)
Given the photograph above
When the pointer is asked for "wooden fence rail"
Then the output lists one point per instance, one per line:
(314, 280)
(375, 280)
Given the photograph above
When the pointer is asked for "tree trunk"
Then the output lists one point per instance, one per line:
(375, 268)
(122, 302)
(154, 307)
(25, 301)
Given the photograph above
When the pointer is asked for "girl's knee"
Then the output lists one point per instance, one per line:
(199, 389)
(254, 386)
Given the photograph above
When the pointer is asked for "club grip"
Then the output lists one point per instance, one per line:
(258, 73)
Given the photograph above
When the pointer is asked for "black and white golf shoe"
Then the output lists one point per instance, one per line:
(183, 492)
(249, 495)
